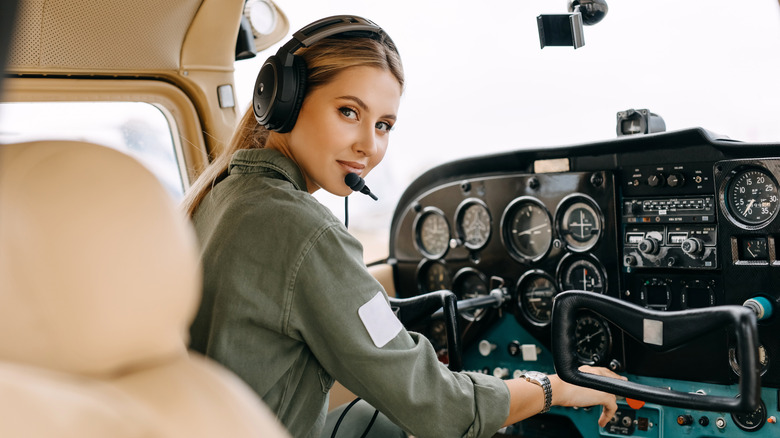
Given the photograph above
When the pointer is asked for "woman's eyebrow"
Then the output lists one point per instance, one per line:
(364, 107)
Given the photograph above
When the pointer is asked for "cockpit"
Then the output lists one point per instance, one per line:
(571, 184)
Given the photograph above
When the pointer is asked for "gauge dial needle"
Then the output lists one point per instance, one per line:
(751, 252)
(750, 204)
(588, 338)
(585, 279)
(530, 230)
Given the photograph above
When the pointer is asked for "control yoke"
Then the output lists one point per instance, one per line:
(415, 309)
(661, 331)
(444, 303)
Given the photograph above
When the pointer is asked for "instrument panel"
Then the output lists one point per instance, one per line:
(671, 221)
(534, 234)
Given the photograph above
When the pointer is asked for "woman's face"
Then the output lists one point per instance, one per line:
(343, 126)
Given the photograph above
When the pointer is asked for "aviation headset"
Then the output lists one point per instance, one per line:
(281, 82)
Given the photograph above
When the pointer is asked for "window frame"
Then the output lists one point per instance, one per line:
(176, 107)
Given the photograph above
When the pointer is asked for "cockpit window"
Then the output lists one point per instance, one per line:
(139, 129)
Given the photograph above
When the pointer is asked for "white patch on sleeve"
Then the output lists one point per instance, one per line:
(380, 321)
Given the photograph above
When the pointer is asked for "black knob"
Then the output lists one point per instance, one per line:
(704, 421)
(656, 180)
(675, 180)
(513, 348)
(692, 246)
(649, 246)
(596, 179)
(636, 208)
(630, 260)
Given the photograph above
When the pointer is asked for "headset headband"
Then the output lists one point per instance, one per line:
(281, 82)
(329, 26)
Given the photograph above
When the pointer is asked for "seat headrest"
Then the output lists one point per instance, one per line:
(98, 268)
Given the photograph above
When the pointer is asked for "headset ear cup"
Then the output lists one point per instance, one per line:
(265, 92)
(299, 66)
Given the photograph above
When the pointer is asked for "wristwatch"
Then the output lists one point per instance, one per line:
(542, 380)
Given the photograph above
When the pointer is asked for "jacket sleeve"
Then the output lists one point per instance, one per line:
(402, 378)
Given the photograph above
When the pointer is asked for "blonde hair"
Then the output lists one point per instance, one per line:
(324, 60)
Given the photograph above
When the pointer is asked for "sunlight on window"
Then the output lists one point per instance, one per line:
(138, 129)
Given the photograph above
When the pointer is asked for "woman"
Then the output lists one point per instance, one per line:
(288, 302)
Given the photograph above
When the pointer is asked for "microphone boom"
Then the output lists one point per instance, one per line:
(356, 183)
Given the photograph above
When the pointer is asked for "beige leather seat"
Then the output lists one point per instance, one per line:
(99, 280)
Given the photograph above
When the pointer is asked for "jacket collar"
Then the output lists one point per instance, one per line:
(269, 161)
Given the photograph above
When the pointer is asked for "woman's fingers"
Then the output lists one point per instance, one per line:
(601, 371)
(610, 402)
(608, 411)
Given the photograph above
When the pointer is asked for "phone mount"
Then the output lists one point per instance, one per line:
(567, 29)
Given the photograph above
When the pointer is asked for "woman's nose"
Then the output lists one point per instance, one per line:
(366, 143)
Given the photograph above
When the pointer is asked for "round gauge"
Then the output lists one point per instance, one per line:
(473, 222)
(751, 421)
(580, 223)
(433, 275)
(751, 197)
(432, 233)
(763, 360)
(535, 293)
(470, 283)
(527, 229)
(581, 273)
(593, 339)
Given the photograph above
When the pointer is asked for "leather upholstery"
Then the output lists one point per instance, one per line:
(99, 281)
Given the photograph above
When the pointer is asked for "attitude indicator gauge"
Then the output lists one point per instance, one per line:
(579, 222)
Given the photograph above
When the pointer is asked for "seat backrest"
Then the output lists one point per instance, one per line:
(99, 281)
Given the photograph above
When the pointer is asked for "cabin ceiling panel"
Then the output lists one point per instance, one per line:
(51, 35)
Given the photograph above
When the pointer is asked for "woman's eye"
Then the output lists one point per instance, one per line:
(384, 126)
(348, 112)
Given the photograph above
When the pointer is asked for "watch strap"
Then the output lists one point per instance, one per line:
(543, 381)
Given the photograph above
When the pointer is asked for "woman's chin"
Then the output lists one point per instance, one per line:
(346, 191)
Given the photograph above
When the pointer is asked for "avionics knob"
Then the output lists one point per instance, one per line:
(693, 246)
(656, 180)
(649, 246)
(675, 180)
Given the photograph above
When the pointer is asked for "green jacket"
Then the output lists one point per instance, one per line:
(283, 283)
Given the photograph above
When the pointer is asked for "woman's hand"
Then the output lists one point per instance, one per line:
(566, 394)
(527, 399)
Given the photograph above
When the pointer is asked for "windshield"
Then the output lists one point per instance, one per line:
(478, 82)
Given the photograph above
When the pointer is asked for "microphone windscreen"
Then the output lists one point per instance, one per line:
(354, 181)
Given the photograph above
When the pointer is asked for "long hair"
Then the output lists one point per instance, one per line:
(324, 60)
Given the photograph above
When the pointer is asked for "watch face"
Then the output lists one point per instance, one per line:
(542, 380)
(536, 375)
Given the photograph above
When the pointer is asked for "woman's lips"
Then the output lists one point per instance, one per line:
(352, 166)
